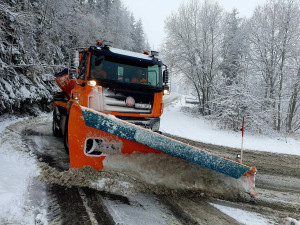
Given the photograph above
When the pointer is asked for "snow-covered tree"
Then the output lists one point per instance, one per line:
(193, 46)
(239, 67)
(230, 98)
(274, 34)
(37, 37)
(233, 47)
(138, 37)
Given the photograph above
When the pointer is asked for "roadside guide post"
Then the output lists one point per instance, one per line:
(242, 139)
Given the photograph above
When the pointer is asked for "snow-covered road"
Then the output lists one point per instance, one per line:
(61, 195)
(66, 188)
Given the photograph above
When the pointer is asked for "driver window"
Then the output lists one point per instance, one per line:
(153, 75)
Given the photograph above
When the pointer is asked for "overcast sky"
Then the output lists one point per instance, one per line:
(153, 13)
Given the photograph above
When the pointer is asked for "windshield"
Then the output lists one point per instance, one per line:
(125, 73)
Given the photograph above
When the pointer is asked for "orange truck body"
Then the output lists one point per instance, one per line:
(118, 93)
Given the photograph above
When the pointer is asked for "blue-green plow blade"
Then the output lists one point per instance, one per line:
(164, 144)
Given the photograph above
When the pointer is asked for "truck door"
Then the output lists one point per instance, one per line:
(83, 67)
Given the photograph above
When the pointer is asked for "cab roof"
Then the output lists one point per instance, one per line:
(116, 53)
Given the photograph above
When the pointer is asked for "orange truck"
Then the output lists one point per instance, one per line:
(112, 104)
(122, 83)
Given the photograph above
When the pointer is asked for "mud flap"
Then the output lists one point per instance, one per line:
(94, 135)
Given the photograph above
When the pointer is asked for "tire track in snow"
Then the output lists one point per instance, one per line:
(189, 211)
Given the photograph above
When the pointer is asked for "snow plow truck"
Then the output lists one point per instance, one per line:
(112, 102)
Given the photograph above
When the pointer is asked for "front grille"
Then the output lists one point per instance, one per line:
(115, 101)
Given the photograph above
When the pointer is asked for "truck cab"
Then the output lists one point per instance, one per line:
(122, 83)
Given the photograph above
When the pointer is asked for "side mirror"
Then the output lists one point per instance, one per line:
(74, 60)
(74, 64)
(166, 76)
(73, 74)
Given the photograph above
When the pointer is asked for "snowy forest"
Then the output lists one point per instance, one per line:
(236, 67)
(38, 36)
(239, 67)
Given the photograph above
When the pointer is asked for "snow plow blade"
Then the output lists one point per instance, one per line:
(94, 135)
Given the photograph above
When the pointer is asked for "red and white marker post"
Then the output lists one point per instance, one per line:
(242, 147)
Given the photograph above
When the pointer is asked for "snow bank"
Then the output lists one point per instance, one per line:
(177, 122)
(16, 171)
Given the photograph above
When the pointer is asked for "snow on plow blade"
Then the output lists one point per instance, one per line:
(94, 135)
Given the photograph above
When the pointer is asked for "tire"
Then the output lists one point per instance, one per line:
(55, 125)
(66, 138)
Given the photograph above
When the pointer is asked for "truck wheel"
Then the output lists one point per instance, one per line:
(66, 138)
(55, 125)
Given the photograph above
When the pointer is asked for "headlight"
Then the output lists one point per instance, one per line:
(166, 92)
(92, 83)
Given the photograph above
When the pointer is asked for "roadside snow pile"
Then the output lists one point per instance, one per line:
(88, 177)
(16, 171)
(177, 122)
(150, 174)
(242, 216)
(163, 174)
